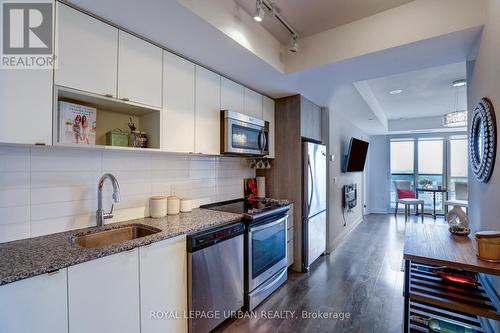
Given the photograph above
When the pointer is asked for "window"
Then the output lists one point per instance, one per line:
(402, 157)
(402, 164)
(429, 162)
(430, 171)
(458, 164)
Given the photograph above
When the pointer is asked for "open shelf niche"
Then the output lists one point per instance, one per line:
(111, 114)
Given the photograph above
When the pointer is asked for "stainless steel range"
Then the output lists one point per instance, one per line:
(265, 245)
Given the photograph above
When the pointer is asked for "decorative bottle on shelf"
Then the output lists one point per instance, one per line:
(457, 276)
(442, 326)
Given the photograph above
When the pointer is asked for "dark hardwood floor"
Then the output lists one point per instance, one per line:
(362, 277)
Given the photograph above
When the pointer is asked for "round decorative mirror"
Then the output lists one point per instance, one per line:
(482, 140)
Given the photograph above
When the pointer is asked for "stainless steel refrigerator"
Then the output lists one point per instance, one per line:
(314, 160)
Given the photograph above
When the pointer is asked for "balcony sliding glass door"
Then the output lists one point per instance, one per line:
(402, 164)
(429, 163)
(431, 172)
(458, 163)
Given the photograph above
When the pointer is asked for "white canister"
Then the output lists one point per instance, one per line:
(157, 206)
(186, 205)
(173, 205)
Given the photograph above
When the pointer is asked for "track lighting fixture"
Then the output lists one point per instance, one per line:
(260, 11)
(263, 7)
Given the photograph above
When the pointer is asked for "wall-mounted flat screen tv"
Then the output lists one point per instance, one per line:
(356, 156)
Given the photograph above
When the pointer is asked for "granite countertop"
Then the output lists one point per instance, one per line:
(34, 256)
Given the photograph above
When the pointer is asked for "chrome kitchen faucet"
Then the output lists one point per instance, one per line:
(100, 214)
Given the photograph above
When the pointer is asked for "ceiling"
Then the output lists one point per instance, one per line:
(172, 25)
(309, 17)
(426, 93)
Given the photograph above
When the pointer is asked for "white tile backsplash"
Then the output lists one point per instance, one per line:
(75, 160)
(46, 190)
(14, 159)
(13, 231)
(14, 197)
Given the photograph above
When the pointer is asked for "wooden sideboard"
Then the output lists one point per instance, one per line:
(426, 294)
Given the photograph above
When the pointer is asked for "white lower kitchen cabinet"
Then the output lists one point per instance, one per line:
(37, 304)
(163, 276)
(103, 294)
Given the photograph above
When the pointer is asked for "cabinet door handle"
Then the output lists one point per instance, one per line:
(125, 99)
(53, 273)
(40, 144)
(108, 95)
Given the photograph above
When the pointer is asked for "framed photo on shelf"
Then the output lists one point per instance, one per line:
(77, 124)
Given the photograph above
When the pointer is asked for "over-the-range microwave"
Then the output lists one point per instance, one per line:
(243, 135)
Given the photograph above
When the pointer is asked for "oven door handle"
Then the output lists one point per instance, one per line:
(271, 284)
(267, 225)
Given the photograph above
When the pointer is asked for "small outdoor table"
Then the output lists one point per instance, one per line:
(443, 192)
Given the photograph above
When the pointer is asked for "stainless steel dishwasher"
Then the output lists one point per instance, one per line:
(215, 276)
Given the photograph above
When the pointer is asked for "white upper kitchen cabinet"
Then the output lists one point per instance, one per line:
(310, 120)
(253, 104)
(37, 304)
(139, 71)
(208, 106)
(163, 281)
(268, 115)
(232, 96)
(317, 123)
(26, 106)
(103, 294)
(86, 52)
(178, 104)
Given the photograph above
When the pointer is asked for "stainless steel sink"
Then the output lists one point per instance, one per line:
(114, 236)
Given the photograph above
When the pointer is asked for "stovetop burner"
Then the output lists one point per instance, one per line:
(251, 209)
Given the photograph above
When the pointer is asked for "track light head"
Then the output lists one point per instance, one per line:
(259, 11)
(294, 44)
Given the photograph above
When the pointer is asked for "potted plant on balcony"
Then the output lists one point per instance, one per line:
(425, 183)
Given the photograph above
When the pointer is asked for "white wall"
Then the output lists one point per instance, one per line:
(231, 19)
(484, 81)
(423, 124)
(378, 175)
(391, 28)
(340, 133)
(45, 190)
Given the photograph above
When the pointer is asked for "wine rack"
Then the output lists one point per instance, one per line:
(428, 295)
(427, 311)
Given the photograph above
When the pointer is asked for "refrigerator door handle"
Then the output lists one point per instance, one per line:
(312, 186)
